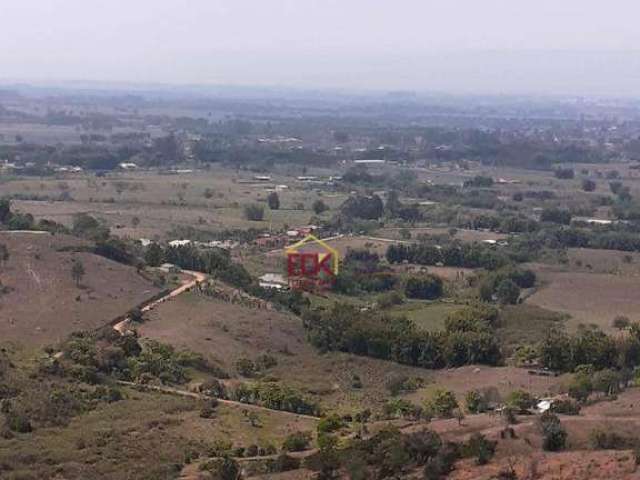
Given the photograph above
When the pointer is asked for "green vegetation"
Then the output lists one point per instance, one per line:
(467, 338)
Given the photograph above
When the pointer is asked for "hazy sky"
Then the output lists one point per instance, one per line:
(546, 46)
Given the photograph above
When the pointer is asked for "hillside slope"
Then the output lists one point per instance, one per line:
(43, 303)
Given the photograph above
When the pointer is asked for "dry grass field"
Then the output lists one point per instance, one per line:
(44, 305)
(589, 298)
(225, 333)
(210, 200)
(153, 434)
(604, 261)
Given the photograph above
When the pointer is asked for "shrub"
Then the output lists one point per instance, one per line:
(273, 201)
(18, 423)
(402, 383)
(390, 299)
(245, 367)
(479, 447)
(554, 436)
(565, 407)
(507, 292)
(520, 400)
(588, 185)
(254, 212)
(225, 468)
(621, 322)
(297, 442)
(399, 407)
(580, 387)
(319, 207)
(283, 463)
(330, 423)
(209, 408)
(442, 464)
(443, 403)
(602, 440)
(606, 381)
(266, 361)
(475, 402)
(428, 287)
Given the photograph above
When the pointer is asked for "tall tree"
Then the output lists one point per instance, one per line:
(274, 201)
(77, 271)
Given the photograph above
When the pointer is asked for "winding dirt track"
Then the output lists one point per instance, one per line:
(122, 328)
(200, 396)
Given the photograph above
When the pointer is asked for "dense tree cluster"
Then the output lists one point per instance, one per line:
(467, 338)
(11, 220)
(504, 285)
(479, 181)
(563, 352)
(216, 262)
(556, 215)
(363, 207)
(274, 395)
(425, 287)
(474, 255)
(361, 271)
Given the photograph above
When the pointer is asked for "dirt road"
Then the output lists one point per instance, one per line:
(200, 396)
(197, 277)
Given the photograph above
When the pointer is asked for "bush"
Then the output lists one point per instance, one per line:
(245, 367)
(330, 423)
(580, 387)
(319, 207)
(521, 401)
(283, 463)
(222, 468)
(209, 409)
(554, 436)
(273, 201)
(565, 407)
(401, 383)
(564, 173)
(428, 287)
(588, 185)
(390, 299)
(556, 215)
(479, 447)
(602, 440)
(507, 292)
(606, 381)
(443, 403)
(475, 402)
(401, 408)
(18, 423)
(442, 464)
(621, 322)
(254, 212)
(297, 442)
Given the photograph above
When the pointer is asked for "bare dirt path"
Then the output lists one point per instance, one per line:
(200, 396)
(122, 327)
(197, 277)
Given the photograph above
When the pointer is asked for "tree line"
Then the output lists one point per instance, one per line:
(468, 336)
